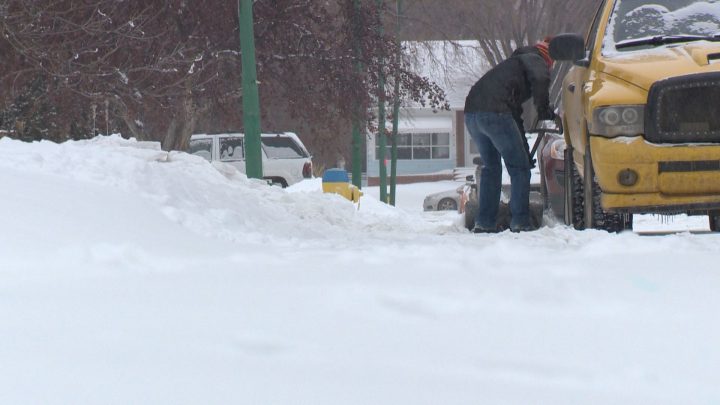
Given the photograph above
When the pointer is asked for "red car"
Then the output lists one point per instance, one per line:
(551, 161)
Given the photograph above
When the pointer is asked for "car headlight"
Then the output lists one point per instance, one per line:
(619, 120)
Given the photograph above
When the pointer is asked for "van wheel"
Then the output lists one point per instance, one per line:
(276, 181)
(595, 217)
(573, 193)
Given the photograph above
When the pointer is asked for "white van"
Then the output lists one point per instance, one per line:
(285, 159)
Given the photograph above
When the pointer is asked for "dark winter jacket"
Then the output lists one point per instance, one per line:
(508, 85)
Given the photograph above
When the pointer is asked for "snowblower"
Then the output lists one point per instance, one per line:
(538, 203)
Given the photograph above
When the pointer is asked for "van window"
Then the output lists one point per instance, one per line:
(281, 147)
(231, 149)
(202, 148)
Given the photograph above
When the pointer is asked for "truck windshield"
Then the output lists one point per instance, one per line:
(639, 24)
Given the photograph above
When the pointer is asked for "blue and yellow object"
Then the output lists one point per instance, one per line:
(337, 181)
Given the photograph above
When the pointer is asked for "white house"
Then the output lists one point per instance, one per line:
(431, 145)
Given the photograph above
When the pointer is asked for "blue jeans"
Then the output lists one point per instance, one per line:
(497, 135)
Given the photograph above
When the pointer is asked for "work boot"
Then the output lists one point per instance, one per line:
(521, 228)
(480, 229)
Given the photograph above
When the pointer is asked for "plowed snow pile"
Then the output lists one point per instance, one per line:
(133, 275)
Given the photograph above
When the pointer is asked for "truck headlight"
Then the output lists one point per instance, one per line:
(619, 120)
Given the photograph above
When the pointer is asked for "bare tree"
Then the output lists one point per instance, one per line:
(499, 26)
(165, 70)
(125, 53)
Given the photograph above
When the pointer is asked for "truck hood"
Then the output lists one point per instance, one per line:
(645, 67)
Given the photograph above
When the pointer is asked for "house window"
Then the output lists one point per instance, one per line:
(426, 146)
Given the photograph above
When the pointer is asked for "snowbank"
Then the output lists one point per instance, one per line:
(132, 275)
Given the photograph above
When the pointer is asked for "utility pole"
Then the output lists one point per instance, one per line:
(382, 138)
(250, 94)
(396, 108)
(357, 154)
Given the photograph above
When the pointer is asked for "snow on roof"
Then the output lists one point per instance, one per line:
(453, 65)
(411, 122)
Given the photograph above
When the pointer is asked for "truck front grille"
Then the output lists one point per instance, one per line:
(684, 109)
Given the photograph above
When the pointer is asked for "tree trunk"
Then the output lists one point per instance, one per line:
(182, 126)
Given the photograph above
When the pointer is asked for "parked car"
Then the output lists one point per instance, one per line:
(285, 159)
(551, 162)
(641, 113)
(444, 201)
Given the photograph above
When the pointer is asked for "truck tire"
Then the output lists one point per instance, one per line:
(714, 217)
(544, 192)
(574, 193)
(594, 216)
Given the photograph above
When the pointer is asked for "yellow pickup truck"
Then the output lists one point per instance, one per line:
(641, 113)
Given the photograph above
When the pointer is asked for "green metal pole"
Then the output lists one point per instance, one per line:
(396, 110)
(382, 138)
(357, 154)
(250, 94)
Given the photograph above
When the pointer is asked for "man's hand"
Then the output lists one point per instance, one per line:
(546, 114)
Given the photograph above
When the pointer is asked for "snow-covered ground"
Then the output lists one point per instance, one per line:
(132, 276)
